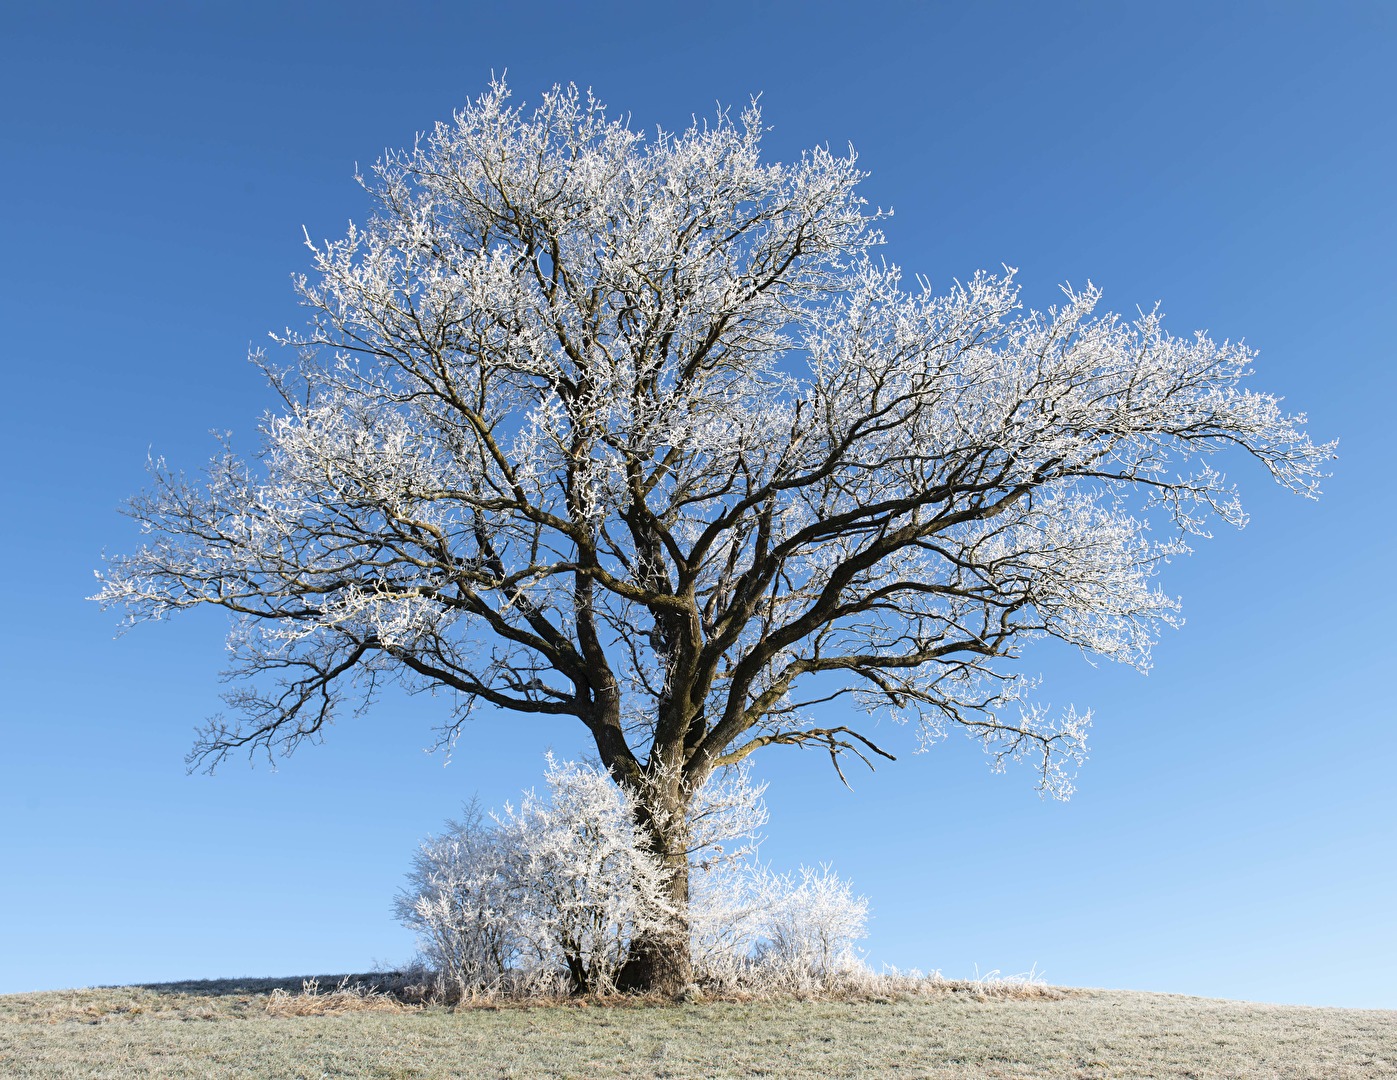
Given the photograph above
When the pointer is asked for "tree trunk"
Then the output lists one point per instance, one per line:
(660, 961)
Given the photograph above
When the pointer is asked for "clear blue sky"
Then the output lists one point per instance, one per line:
(1233, 833)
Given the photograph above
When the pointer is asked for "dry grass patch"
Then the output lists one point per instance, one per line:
(344, 998)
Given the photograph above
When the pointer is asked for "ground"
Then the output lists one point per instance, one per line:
(242, 1029)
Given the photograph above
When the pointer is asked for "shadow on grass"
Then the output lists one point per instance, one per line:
(384, 981)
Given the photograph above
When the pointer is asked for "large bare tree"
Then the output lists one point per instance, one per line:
(637, 431)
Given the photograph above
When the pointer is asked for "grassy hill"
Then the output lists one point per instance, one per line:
(255, 1028)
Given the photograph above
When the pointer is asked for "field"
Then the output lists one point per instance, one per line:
(245, 1029)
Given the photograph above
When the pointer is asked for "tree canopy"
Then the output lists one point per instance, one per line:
(639, 430)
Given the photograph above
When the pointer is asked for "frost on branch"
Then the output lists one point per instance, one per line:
(636, 430)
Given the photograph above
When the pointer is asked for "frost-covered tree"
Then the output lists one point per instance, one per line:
(637, 431)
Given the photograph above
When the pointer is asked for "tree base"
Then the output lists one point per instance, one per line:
(653, 968)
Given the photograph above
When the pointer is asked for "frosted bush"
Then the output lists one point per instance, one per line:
(753, 928)
(550, 895)
(725, 923)
(725, 818)
(585, 883)
(810, 921)
(463, 903)
(554, 889)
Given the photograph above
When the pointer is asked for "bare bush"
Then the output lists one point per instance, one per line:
(461, 905)
(344, 998)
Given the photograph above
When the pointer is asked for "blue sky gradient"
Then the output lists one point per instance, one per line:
(1233, 832)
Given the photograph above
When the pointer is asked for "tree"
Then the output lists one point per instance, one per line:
(639, 432)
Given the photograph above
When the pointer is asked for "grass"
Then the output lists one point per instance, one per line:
(270, 1028)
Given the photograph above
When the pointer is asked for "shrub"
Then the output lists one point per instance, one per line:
(583, 882)
(555, 888)
(810, 922)
(462, 901)
(548, 897)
